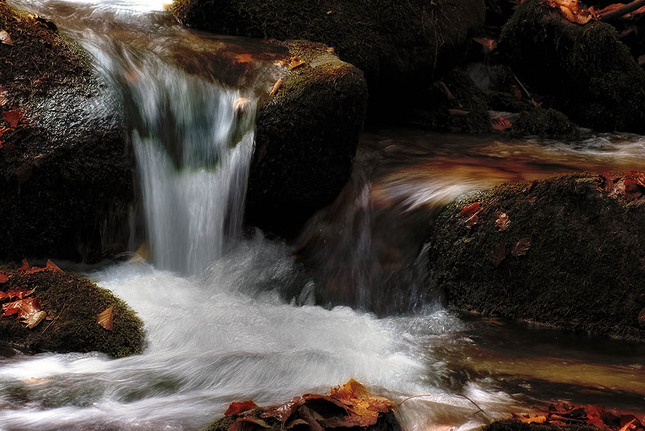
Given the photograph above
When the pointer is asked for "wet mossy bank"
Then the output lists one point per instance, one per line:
(66, 169)
(584, 71)
(567, 252)
(72, 303)
(400, 46)
(306, 138)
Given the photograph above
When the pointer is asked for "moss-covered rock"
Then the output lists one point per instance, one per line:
(545, 123)
(72, 303)
(572, 256)
(65, 168)
(306, 138)
(399, 45)
(590, 74)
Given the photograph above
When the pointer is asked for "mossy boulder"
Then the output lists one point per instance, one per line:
(72, 303)
(572, 256)
(66, 171)
(545, 123)
(585, 69)
(306, 137)
(401, 46)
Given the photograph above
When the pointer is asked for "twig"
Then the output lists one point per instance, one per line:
(621, 11)
(479, 409)
(522, 85)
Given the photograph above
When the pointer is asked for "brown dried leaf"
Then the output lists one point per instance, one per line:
(239, 407)
(489, 44)
(498, 254)
(521, 248)
(243, 58)
(284, 411)
(3, 279)
(277, 86)
(5, 38)
(503, 222)
(105, 319)
(12, 117)
(3, 97)
(501, 123)
(24, 308)
(34, 319)
(295, 62)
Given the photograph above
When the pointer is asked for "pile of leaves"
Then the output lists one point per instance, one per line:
(347, 406)
(564, 415)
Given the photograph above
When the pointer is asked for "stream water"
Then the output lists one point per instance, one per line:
(231, 318)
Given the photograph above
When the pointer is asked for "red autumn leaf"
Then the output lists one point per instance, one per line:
(498, 254)
(22, 307)
(501, 123)
(3, 279)
(521, 247)
(471, 209)
(243, 58)
(12, 117)
(49, 266)
(239, 407)
(284, 411)
(364, 408)
(24, 266)
(105, 318)
(15, 294)
(503, 222)
(52, 267)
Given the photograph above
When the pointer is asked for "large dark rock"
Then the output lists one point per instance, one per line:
(572, 256)
(583, 70)
(65, 170)
(306, 138)
(400, 45)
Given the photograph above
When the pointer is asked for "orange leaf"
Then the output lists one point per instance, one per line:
(52, 267)
(12, 117)
(3, 279)
(471, 209)
(277, 86)
(23, 307)
(25, 265)
(239, 407)
(105, 319)
(501, 123)
(5, 38)
(295, 62)
(243, 58)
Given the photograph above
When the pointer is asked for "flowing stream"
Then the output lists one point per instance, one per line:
(229, 318)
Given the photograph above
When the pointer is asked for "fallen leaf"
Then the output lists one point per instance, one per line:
(52, 267)
(503, 222)
(12, 117)
(3, 97)
(5, 38)
(24, 266)
(239, 407)
(489, 44)
(24, 308)
(277, 86)
(521, 247)
(471, 209)
(15, 294)
(3, 279)
(284, 411)
(34, 319)
(295, 62)
(472, 221)
(105, 318)
(501, 123)
(498, 254)
(535, 419)
(243, 58)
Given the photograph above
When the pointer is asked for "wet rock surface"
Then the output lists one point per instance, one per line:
(400, 46)
(67, 172)
(306, 137)
(565, 252)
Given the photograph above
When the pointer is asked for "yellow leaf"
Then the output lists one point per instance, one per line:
(105, 318)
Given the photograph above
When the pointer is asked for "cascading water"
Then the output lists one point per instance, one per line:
(219, 324)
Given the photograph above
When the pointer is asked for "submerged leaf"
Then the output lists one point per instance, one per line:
(105, 318)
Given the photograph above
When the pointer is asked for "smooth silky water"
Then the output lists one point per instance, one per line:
(229, 318)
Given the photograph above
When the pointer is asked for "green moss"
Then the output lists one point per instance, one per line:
(583, 270)
(545, 123)
(73, 303)
(591, 75)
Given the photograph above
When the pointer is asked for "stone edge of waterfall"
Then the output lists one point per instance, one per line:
(67, 167)
(571, 257)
